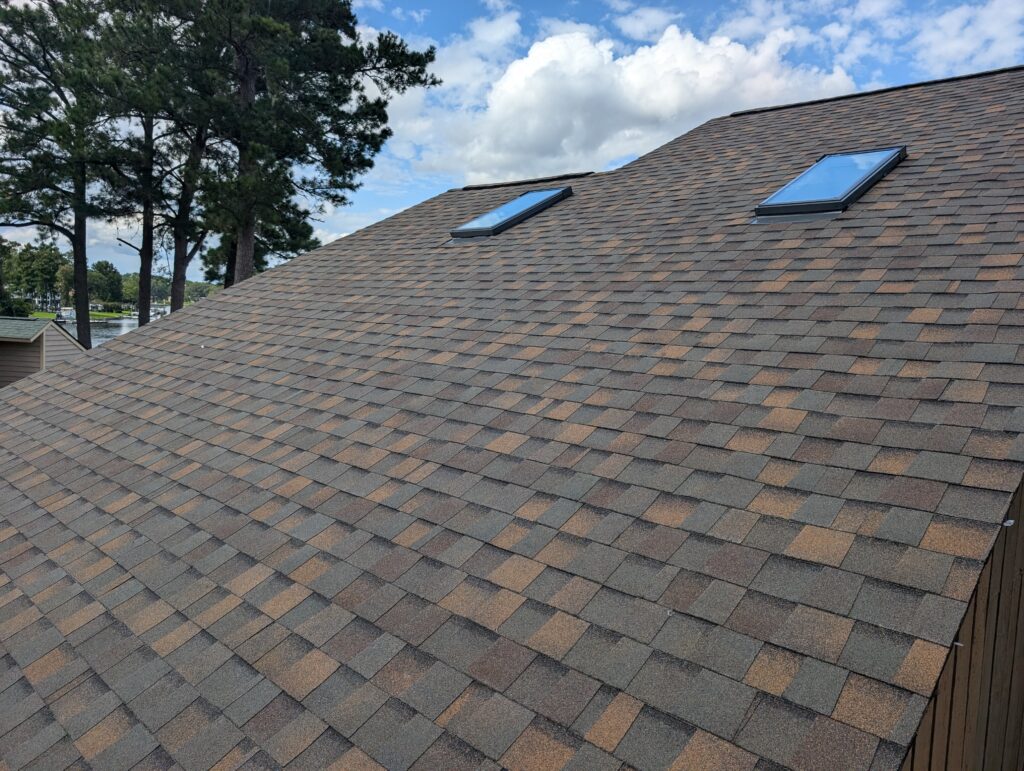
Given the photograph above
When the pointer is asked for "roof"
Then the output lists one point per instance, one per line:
(637, 481)
(21, 330)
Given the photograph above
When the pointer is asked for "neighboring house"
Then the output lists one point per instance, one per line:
(29, 345)
(645, 479)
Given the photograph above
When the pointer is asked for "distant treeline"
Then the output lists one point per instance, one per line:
(40, 277)
(216, 127)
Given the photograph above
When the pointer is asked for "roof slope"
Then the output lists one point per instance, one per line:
(21, 329)
(636, 481)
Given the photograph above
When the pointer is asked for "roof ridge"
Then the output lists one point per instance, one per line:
(517, 182)
(887, 89)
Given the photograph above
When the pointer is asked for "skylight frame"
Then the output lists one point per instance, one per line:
(557, 194)
(840, 203)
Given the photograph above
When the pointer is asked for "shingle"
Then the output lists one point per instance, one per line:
(714, 494)
(611, 658)
(874, 707)
(487, 721)
(653, 741)
(624, 614)
(396, 735)
(712, 646)
(776, 729)
(673, 685)
(642, 577)
(553, 690)
(817, 685)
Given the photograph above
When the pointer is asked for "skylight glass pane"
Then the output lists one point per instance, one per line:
(833, 183)
(511, 213)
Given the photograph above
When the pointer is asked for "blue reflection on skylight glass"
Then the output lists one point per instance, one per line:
(829, 183)
(510, 213)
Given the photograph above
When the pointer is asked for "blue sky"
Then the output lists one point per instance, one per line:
(535, 88)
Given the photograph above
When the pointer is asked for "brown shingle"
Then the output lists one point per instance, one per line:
(408, 502)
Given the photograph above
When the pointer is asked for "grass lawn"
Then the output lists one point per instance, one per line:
(92, 315)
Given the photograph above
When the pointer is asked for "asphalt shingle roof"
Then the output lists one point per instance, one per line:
(634, 482)
(16, 328)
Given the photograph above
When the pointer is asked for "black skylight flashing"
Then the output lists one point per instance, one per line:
(841, 201)
(515, 215)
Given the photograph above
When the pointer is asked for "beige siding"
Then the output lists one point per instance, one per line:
(18, 360)
(58, 347)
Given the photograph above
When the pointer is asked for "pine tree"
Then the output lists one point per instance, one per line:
(53, 128)
(306, 109)
(281, 235)
(161, 81)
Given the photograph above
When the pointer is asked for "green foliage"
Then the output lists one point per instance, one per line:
(197, 290)
(32, 270)
(13, 306)
(304, 107)
(105, 282)
(210, 121)
(53, 123)
(66, 283)
(161, 289)
(130, 288)
(281, 235)
(9, 306)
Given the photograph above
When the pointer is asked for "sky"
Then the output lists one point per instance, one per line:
(535, 87)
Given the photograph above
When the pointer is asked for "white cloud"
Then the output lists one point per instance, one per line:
(971, 37)
(531, 97)
(20, 235)
(575, 101)
(548, 26)
(646, 23)
(876, 9)
(404, 14)
(756, 18)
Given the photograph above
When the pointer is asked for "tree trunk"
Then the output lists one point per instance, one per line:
(180, 267)
(146, 249)
(245, 249)
(230, 250)
(183, 219)
(245, 245)
(81, 263)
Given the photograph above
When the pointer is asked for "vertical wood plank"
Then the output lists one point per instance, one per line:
(961, 686)
(923, 740)
(1006, 639)
(976, 697)
(908, 760)
(1012, 747)
(943, 700)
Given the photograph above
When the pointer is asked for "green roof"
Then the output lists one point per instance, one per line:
(13, 328)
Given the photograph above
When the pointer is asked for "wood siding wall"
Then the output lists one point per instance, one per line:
(975, 719)
(19, 359)
(58, 347)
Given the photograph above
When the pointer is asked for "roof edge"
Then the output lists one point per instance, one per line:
(518, 182)
(887, 89)
(66, 334)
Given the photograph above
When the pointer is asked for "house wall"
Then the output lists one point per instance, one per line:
(975, 719)
(58, 347)
(19, 359)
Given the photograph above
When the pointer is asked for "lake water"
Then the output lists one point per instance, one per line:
(107, 329)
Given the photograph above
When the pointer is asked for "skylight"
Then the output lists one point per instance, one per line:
(833, 183)
(511, 213)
